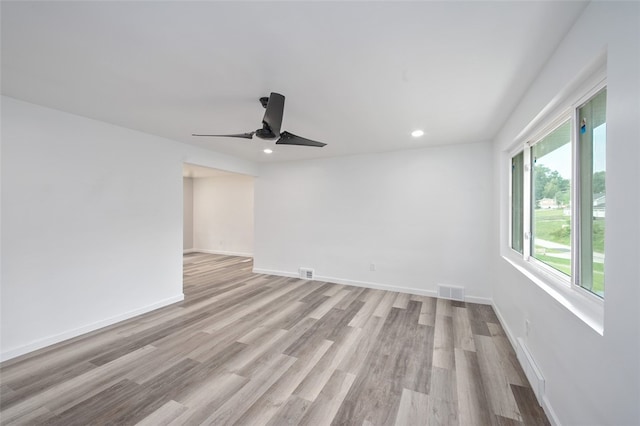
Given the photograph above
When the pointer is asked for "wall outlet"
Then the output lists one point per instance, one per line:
(527, 327)
(372, 266)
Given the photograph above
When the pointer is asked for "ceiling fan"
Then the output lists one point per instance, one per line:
(271, 122)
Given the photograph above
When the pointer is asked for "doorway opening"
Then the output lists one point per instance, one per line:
(218, 213)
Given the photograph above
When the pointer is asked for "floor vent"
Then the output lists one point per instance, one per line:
(531, 370)
(451, 292)
(306, 273)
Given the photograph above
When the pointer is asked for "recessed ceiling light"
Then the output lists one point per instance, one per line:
(417, 133)
(267, 151)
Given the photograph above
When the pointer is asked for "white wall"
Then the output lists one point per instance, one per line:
(590, 379)
(187, 215)
(223, 214)
(421, 216)
(91, 223)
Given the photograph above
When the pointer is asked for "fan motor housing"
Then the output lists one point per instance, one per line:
(265, 133)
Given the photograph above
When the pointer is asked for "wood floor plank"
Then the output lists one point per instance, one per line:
(330, 327)
(329, 304)
(509, 361)
(47, 361)
(354, 360)
(418, 353)
(484, 313)
(414, 409)
(254, 349)
(532, 413)
(385, 305)
(277, 395)
(473, 407)
(167, 385)
(208, 397)
(7, 396)
(220, 341)
(100, 407)
(291, 412)
(444, 307)
(402, 301)
(479, 328)
(372, 299)
(334, 290)
(443, 343)
(315, 381)
(355, 294)
(247, 308)
(375, 395)
(462, 333)
(163, 415)
(443, 384)
(370, 399)
(244, 398)
(427, 310)
(39, 383)
(499, 393)
(69, 393)
(276, 348)
(495, 330)
(146, 338)
(318, 293)
(325, 406)
(299, 315)
(38, 416)
(442, 412)
(505, 421)
(161, 360)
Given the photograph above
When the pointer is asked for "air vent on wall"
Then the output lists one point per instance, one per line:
(306, 273)
(451, 292)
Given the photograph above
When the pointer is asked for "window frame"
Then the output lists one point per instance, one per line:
(576, 267)
(587, 305)
(559, 120)
(517, 151)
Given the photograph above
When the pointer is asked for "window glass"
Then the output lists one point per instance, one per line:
(592, 139)
(551, 199)
(517, 201)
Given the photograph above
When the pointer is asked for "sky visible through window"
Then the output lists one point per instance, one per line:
(557, 159)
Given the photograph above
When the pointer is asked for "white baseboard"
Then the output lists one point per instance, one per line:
(187, 251)
(223, 252)
(548, 409)
(378, 286)
(277, 273)
(478, 300)
(546, 404)
(57, 338)
(366, 284)
(505, 327)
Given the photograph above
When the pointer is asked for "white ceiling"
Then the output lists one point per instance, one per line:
(359, 76)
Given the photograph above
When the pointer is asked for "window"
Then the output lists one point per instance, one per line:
(517, 201)
(592, 137)
(558, 197)
(550, 203)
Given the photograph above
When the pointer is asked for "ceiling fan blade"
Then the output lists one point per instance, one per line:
(287, 138)
(237, 135)
(273, 115)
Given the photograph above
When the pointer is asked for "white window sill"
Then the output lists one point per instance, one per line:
(589, 311)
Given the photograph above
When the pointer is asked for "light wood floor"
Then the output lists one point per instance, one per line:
(253, 349)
